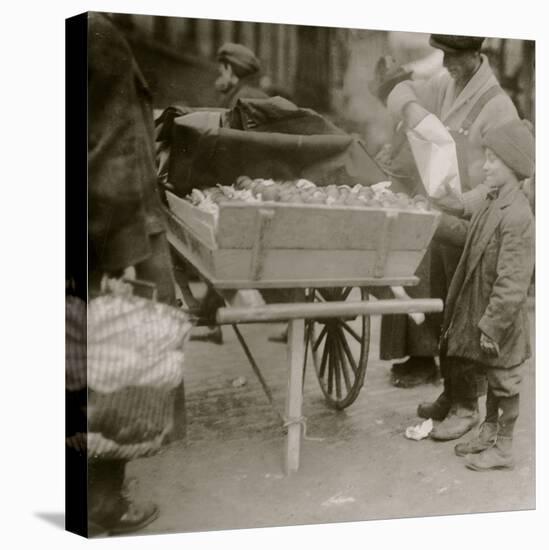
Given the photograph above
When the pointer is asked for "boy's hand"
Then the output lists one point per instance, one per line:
(488, 345)
(449, 202)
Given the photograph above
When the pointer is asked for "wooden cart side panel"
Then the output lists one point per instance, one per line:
(190, 246)
(303, 227)
(198, 221)
(279, 265)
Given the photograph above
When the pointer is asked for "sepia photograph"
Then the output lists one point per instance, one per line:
(300, 280)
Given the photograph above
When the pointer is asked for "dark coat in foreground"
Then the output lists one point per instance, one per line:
(123, 205)
(488, 291)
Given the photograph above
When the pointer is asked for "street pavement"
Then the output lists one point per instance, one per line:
(356, 464)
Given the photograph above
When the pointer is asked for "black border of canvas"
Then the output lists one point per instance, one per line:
(76, 77)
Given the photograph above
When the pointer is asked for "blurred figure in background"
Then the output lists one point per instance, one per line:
(238, 74)
(238, 78)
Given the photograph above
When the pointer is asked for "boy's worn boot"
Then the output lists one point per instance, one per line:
(438, 409)
(461, 418)
(487, 433)
(497, 457)
(485, 439)
(500, 455)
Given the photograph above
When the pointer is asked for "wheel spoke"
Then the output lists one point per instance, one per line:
(346, 293)
(348, 353)
(351, 331)
(343, 362)
(323, 362)
(309, 327)
(330, 365)
(345, 367)
(318, 296)
(320, 337)
(328, 294)
(337, 365)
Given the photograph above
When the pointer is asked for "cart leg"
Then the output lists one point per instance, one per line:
(294, 394)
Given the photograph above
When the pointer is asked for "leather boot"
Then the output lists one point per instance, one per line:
(438, 409)
(492, 408)
(485, 439)
(509, 413)
(487, 433)
(461, 418)
(497, 457)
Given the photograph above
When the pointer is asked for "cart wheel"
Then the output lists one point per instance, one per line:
(339, 347)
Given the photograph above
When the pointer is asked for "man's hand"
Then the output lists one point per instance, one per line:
(450, 201)
(129, 273)
(413, 113)
(385, 155)
(488, 345)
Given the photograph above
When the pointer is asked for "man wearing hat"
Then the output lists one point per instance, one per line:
(485, 320)
(238, 74)
(469, 101)
(400, 336)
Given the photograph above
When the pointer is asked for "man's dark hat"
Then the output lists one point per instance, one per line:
(456, 44)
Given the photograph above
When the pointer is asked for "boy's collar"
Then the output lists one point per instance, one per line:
(502, 192)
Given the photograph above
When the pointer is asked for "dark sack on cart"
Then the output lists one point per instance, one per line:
(261, 138)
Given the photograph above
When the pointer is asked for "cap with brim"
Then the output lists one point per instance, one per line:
(239, 57)
(456, 44)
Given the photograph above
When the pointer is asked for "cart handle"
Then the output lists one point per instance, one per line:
(284, 312)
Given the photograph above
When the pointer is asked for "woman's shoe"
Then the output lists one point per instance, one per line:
(414, 372)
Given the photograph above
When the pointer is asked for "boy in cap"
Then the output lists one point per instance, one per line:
(238, 78)
(238, 74)
(485, 321)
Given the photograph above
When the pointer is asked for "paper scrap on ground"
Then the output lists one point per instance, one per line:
(434, 151)
(239, 382)
(338, 500)
(421, 431)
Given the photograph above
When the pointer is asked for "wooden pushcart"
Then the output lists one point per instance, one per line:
(311, 258)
